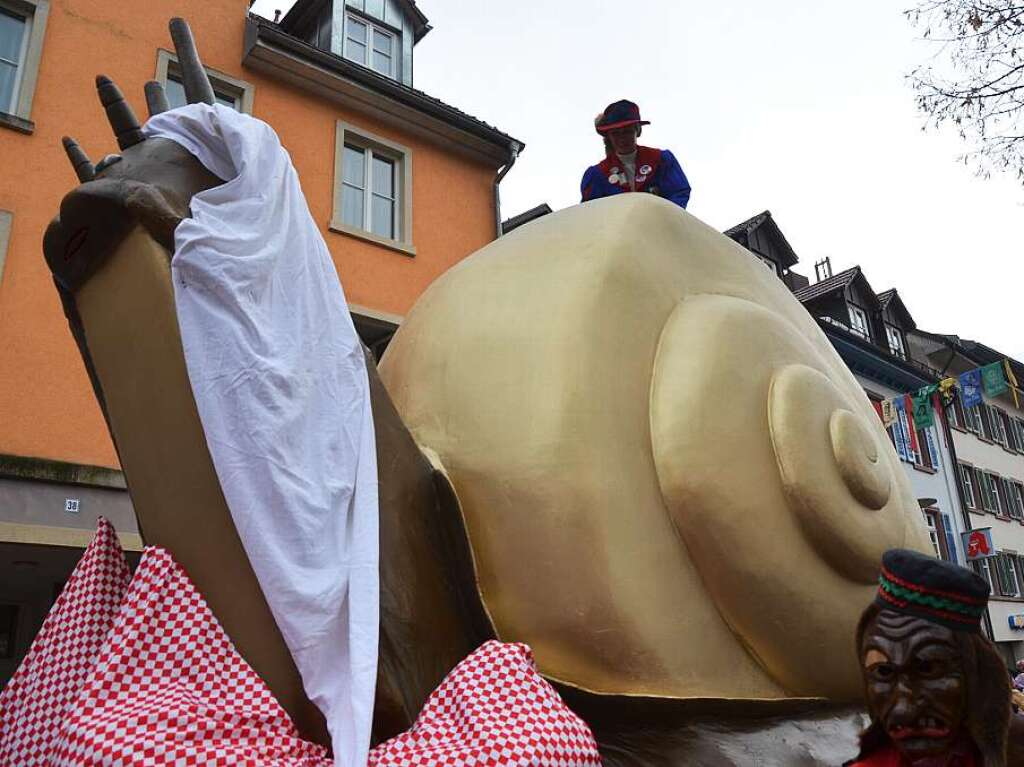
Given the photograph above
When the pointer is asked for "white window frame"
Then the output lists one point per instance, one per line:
(933, 530)
(895, 338)
(36, 13)
(985, 571)
(957, 417)
(371, 27)
(19, 61)
(6, 220)
(243, 92)
(1011, 571)
(346, 133)
(986, 491)
(1013, 505)
(1018, 426)
(998, 427)
(901, 437)
(973, 416)
(967, 482)
(993, 488)
(859, 321)
(921, 438)
(1018, 494)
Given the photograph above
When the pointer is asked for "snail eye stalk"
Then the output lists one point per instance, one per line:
(193, 77)
(79, 160)
(120, 115)
(156, 98)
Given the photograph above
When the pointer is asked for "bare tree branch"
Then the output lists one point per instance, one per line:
(974, 81)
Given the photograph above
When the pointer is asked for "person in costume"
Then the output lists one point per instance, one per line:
(628, 167)
(935, 688)
(1018, 680)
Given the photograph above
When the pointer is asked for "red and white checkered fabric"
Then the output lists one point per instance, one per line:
(46, 685)
(493, 710)
(137, 671)
(140, 673)
(170, 689)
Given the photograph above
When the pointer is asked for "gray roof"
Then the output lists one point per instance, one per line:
(890, 296)
(404, 94)
(827, 285)
(976, 351)
(746, 227)
(764, 218)
(420, 23)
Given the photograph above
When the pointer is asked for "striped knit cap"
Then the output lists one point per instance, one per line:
(930, 588)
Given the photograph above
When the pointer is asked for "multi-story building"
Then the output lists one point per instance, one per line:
(402, 185)
(989, 445)
(869, 331)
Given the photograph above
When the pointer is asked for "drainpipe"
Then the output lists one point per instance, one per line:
(947, 433)
(965, 515)
(513, 153)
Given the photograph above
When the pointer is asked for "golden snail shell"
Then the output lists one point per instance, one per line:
(672, 484)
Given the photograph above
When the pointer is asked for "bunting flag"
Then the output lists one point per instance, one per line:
(970, 388)
(924, 415)
(947, 388)
(994, 380)
(888, 412)
(919, 407)
(1013, 383)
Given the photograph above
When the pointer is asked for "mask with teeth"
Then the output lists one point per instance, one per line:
(925, 686)
(913, 675)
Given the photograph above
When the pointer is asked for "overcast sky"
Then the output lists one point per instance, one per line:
(796, 106)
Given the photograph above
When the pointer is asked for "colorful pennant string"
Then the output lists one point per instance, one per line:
(919, 407)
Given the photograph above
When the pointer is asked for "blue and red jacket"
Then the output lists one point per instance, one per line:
(657, 171)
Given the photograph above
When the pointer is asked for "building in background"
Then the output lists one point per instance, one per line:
(869, 331)
(761, 236)
(989, 445)
(402, 185)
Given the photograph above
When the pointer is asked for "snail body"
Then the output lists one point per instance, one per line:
(672, 485)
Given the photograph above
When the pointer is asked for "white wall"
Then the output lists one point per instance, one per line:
(939, 485)
(999, 612)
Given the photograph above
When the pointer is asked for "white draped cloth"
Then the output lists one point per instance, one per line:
(281, 386)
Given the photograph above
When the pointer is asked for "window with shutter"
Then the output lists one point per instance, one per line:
(1010, 433)
(967, 482)
(1007, 575)
(973, 419)
(987, 429)
(997, 501)
(1009, 497)
(957, 417)
(989, 500)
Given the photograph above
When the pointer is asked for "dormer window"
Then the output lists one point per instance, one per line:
(376, 34)
(895, 338)
(371, 45)
(859, 321)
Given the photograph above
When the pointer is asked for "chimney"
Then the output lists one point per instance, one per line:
(822, 269)
(277, 16)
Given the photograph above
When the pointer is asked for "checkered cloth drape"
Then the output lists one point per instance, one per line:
(135, 670)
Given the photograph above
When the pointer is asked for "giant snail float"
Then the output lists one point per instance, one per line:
(610, 435)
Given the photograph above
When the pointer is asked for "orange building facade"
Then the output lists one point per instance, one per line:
(402, 185)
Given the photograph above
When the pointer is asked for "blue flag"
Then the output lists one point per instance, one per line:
(970, 388)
